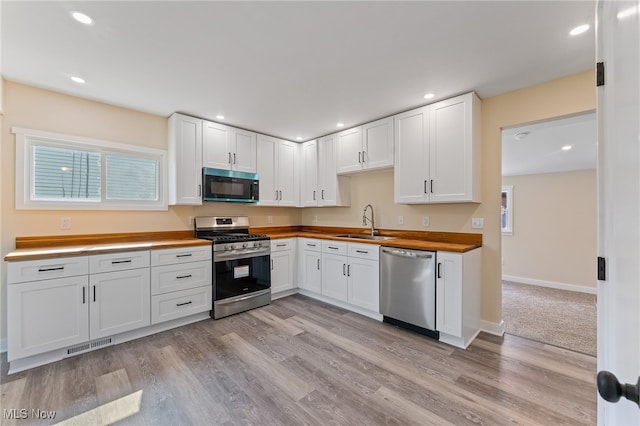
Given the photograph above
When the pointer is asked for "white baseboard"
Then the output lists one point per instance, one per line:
(550, 284)
(492, 327)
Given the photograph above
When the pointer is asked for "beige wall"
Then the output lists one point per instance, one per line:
(33, 108)
(555, 221)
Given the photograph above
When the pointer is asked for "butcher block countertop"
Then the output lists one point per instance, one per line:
(419, 240)
(33, 248)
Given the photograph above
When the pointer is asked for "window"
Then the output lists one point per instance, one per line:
(506, 210)
(66, 172)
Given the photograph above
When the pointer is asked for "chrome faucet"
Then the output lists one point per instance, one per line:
(365, 218)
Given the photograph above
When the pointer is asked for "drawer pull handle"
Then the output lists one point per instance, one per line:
(184, 255)
(281, 245)
(362, 251)
(185, 303)
(332, 248)
(57, 268)
(183, 276)
(311, 245)
(115, 262)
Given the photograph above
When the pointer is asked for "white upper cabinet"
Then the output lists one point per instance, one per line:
(438, 152)
(278, 172)
(321, 186)
(185, 160)
(367, 147)
(228, 148)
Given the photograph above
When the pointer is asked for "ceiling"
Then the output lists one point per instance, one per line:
(538, 148)
(292, 69)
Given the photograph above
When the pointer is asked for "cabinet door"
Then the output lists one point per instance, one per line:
(185, 160)
(281, 271)
(349, 151)
(46, 315)
(216, 139)
(411, 172)
(267, 149)
(244, 151)
(120, 301)
(333, 190)
(449, 293)
(309, 174)
(377, 144)
(450, 146)
(311, 271)
(287, 174)
(364, 283)
(334, 276)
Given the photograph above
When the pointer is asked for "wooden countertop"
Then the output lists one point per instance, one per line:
(34, 248)
(418, 240)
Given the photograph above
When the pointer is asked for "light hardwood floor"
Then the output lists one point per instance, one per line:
(300, 361)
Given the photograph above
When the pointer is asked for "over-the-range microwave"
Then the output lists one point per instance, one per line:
(229, 185)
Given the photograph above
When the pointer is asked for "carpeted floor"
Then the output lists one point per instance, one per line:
(557, 317)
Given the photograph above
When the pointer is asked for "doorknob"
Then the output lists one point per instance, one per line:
(611, 390)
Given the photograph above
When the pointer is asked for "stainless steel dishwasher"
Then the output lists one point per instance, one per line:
(408, 289)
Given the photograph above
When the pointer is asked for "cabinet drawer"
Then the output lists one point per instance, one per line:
(334, 247)
(179, 304)
(118, 261)
(180, 255)
(167, 278)
(42, 269)
(364, 251)
(281, 245)
(311, 244)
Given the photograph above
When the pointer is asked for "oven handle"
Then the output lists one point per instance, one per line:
(219, 256)
(244, 297)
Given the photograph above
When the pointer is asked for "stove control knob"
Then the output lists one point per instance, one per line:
(229, 247)
(244, 245)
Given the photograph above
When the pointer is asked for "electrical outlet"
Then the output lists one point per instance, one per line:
(65, 223)
(269, 219)
(315, 219)
(477, 222)
(425, 220)
(191, 220)
(400, 220)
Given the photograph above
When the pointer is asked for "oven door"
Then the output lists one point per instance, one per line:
(238, 277)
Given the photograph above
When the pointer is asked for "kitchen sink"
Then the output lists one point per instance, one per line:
(365, 237)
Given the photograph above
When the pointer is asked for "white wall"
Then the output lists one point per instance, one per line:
(554, 229)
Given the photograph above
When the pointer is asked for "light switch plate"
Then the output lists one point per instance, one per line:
(269, 219)
(477, 222)
(400, 220)
(65, 223)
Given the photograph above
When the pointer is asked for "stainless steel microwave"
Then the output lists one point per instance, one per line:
(229, 185)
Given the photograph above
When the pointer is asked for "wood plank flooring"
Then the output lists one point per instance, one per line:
(302, 362)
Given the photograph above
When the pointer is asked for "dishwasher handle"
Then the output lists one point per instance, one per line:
(407, 253)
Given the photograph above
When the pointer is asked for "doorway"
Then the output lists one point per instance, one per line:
(548, 218)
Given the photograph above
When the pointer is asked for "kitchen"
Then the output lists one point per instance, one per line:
(31, 107)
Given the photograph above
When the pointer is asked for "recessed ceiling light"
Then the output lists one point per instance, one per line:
(220, 117)
(521, 135)
(78, 80)
(340, 124)
(579, 29)
(429, 95)
(627, 12)
(299, 138)
(567, 147)
(82, 18)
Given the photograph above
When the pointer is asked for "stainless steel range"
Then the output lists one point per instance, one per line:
(241, 264)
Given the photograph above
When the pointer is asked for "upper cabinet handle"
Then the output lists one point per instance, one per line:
(229, 160)
(364, 156)
(234, 158)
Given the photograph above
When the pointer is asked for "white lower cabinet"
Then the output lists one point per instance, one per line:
(458, 296)
(283, 262)
(181, 282)
(46, 315)
(309, 260)
(119, 301)
(350, 274)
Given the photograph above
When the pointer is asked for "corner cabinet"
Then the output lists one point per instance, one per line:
(320, 185)
(185, 160)
(458, 296)
(438, 152)
(228, 148)
(367, 147)
(278, 172)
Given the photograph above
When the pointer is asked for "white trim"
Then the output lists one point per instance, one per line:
(3, 345)
(492, 327)
(550, 284)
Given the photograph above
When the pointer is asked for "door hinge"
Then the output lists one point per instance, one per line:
(600, 74)
(602, 269)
